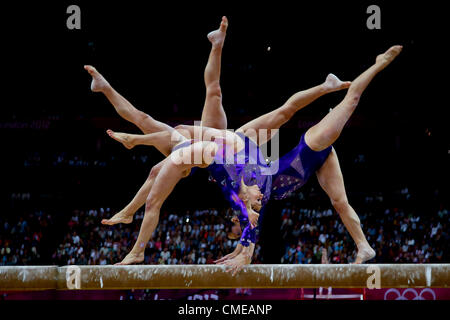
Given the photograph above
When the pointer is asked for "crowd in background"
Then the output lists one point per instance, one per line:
(396, 236)
(199, 237)
(21, 238)
(202, 236)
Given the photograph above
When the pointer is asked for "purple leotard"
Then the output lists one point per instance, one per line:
(293, 171)
(296, 167)
(248, 163)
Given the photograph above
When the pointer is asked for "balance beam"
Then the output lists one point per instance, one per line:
(20, 278)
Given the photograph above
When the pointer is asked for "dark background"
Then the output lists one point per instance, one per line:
(155, 54)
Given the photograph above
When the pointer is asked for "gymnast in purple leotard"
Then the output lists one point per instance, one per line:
(314, 154)
(293, 171)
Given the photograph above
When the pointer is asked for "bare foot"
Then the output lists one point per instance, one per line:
(123, 138)
(217, 37)
(98, 84)
(386, 58)
(364, 254)
(131, 258)
(120, 217)
(332, 83)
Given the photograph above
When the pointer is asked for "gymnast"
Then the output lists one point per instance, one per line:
(314, 154)
(315, 147)
(213, 116)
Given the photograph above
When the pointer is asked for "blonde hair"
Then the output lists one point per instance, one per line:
(243, 192)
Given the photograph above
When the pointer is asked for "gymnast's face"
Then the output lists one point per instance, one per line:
(254, 196)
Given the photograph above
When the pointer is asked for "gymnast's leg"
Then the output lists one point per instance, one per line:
(332, 182)
(163, 140)
(325, 133)
(171, 172)
(213, 114)
(276, 118)
(166, 180)
(126, 214)
(124, 108)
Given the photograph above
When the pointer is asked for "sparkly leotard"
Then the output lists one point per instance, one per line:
(275, 180)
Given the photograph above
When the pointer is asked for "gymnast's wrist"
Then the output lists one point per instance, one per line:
(247, 252)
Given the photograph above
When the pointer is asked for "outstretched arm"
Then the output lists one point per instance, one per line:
(231, 255)
(243, 253)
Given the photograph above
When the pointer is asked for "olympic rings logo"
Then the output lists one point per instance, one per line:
(402, 296)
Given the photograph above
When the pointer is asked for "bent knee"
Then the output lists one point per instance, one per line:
(154, 172)
(186, 172)
(185, 130)
(199, 154)
(319, 138)
(181, 127)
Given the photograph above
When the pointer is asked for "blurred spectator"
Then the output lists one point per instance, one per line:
(202, 236)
